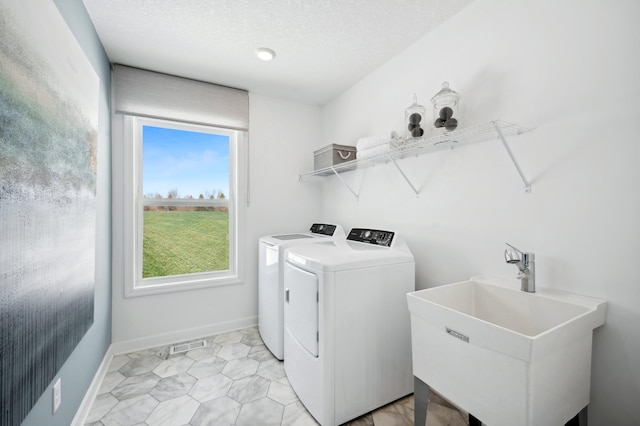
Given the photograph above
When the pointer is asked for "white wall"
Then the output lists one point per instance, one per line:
(570, 69)
(281, 135)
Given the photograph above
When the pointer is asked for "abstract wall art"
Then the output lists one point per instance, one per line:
(48, 134)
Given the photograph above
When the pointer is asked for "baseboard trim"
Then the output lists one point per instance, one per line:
(87, 402)
(133, 345)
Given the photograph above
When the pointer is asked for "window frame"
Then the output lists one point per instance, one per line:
(134, 203)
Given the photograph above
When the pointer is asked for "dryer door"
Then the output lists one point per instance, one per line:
(301, 306)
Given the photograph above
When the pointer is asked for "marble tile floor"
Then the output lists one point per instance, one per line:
(234, 380)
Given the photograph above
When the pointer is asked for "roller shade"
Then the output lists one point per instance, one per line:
(151, 94)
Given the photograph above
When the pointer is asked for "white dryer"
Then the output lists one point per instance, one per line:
(270, 280)
(347, 343)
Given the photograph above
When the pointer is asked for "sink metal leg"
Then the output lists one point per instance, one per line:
(473, 421)
(580, 419)
(420, 400)
(573, 422)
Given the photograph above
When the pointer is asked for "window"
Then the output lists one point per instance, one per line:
(166, 237)
(184, 203)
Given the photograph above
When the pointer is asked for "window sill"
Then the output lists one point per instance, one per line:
(177, 284)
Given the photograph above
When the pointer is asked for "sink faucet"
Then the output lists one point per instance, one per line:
(526, 263)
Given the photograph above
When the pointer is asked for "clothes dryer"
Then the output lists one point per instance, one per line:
(347, 343)
(270, 280)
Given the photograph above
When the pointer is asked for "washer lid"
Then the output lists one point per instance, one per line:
(319, 232)
(289, 240)
(291, 236)
(339, 255)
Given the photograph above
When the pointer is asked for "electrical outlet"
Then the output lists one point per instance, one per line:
(57, 394)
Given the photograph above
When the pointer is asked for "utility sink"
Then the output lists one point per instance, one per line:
(506, 356)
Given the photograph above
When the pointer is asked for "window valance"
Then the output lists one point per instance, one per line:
(150, 94)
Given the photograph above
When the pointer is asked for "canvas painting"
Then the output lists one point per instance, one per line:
(48, 134)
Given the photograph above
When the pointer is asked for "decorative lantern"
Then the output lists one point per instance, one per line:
(446, 107)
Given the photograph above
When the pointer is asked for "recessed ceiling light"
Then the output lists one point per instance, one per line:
(265, 54)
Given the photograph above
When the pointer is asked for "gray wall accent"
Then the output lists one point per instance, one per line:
(79, 370)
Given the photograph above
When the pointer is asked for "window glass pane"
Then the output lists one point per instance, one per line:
(184, 164)
(185, 240)
(180, 165)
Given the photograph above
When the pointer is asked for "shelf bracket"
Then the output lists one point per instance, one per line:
(527, 185)
(355, 194)
(403, 174)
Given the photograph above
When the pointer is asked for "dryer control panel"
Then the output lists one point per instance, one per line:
(323, 229)
(371, 236)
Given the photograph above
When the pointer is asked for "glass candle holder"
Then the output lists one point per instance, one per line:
(415, 119)
(446, 108)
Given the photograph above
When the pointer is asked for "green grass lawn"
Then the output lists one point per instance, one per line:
(182, 242)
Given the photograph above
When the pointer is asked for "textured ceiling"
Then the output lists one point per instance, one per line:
(322, 46)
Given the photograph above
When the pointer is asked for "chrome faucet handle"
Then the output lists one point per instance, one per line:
(525, 263)
(525, 257)
(513, 248)
(512, 256)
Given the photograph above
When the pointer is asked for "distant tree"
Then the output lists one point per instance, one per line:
(173, 193)
(201, 208)
(157, 196)
(221, 195)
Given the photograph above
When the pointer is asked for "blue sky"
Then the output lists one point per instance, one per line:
(193, 163)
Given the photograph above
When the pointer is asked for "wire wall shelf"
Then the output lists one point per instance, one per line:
(492, 130)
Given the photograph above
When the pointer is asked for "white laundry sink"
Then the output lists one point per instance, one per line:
(506, 356)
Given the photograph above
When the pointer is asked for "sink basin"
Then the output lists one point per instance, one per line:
(506, 356)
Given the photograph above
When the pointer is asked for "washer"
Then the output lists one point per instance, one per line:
(347, 334)
(270, 280)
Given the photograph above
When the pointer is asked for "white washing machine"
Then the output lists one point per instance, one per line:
(347, 343)
(270, 280)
